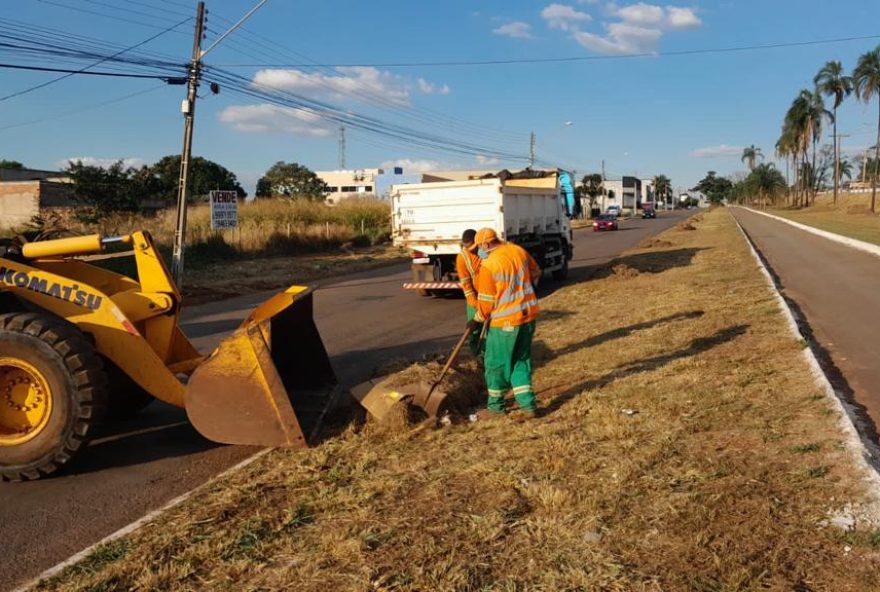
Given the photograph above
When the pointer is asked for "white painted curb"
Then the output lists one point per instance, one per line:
(56, 569)
(856, 446)
(838, 238)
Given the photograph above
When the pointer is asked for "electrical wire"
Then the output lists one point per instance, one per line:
(594, 58)
(83, 109)
(100, 61)
(104, 15)
(167, 79)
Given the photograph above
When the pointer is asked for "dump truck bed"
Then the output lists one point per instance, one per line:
(430, 217)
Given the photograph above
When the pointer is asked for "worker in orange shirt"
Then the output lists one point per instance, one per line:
(467, 264)
(506, 295)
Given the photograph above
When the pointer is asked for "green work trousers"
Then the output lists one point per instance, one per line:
(508, 366)
(474, 341)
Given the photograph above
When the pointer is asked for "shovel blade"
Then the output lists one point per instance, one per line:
(270, 383)
(379, 397)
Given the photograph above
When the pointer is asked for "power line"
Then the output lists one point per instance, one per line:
(104, 15)
(102, 60)
(169, 79)
(83, 109)
(598, 58)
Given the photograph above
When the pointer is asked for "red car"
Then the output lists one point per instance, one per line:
(604, 222)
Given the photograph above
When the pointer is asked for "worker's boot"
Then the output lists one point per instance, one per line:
(527, 414)
(487, 415)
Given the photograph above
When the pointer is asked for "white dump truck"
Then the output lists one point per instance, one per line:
(428, 219)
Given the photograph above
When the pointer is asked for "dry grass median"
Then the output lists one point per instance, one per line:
(684, 446)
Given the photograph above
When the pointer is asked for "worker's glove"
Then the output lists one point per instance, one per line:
(474, 325)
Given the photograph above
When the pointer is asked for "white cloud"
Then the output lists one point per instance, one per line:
(487, 160)
(682, 18)
(265, 118)
(101, 162)
(418, 166)
(641, 14)
(720, 151)
(564, 17)
(516, 30)
(621, 39)
(347, 83)
(427, 88)
(638, 28)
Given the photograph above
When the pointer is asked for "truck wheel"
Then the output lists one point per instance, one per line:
(561, 274)
(125, 397)
(51, 394)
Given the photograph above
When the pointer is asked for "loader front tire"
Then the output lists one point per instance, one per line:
(51, 394)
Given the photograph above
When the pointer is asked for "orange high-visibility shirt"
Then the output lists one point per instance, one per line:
(467, 265)
(505, 287)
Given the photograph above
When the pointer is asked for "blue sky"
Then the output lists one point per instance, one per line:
(677, 115)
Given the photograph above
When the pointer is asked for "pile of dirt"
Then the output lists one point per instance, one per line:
(653, 243)
(686, 226)
(464, 383)
(622, 271)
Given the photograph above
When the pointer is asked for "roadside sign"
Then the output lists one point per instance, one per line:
(224, 209)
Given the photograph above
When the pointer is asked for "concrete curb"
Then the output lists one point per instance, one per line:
(838, 238)
(864, 453)
(56, 569)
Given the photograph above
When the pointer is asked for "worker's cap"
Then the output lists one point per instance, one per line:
(467, 237)
(484, 235)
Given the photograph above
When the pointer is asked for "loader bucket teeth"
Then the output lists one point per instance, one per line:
(270, 383)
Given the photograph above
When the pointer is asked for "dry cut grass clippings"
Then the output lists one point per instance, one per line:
(684, 446)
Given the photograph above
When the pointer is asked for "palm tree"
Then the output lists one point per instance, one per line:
(662, 187)
(831, 81)
(845, 168)
(751, 154)
(866, 81)
(766, 181)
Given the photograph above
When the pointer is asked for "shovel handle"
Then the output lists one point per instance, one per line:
(454, 355)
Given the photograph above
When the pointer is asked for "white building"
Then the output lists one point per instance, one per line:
(349, 183)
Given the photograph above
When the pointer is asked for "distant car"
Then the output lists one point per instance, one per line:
(605, 222)
(613, 211)
(649, 213)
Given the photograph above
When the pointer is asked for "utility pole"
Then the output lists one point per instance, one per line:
(189, 110)
(341, 147)
(532, 150)
(604, 190)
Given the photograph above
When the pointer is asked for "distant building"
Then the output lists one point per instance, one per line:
(349, 183)
(25, 192)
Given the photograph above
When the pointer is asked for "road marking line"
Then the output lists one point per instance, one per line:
(114, 437)
(838, 238)
(149, 517)
(862, 451)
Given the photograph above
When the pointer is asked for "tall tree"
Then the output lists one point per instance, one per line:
(832, 82)
(765, 181)
(662, 187)
(292, 180)
(751, 154)
(10, 164)
(205, 175)
(866, 82)
(591, 187)
(102, 190)
(716, 188)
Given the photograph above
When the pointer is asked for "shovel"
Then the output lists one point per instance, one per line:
(379, 397)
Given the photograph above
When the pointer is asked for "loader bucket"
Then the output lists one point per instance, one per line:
(270, 383)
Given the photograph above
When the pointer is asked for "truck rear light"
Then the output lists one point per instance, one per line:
(418, 255)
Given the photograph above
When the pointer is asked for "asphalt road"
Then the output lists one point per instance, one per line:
(834, 290)
(136, 466)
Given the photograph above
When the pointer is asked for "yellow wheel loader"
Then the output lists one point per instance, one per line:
(77, 339)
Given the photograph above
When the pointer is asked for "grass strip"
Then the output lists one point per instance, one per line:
(684, 446)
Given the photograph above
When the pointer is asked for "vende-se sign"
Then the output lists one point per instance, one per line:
(224, 209)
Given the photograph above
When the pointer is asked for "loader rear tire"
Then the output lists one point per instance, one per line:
(52, 394)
